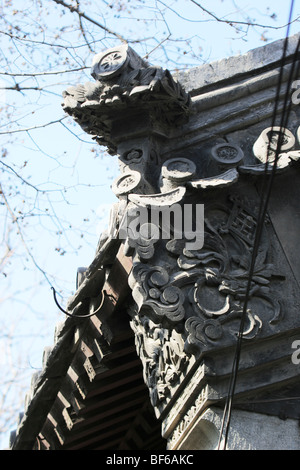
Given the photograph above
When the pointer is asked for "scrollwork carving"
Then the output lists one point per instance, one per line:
(155, 295)
(168, 198)
(227, 178)
(205, 294)
(132, 156)
(143, 244)
(220, 274)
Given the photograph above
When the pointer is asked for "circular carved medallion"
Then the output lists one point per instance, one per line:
(178, 169)
(126, 183)
(110, 63)
(227, 154)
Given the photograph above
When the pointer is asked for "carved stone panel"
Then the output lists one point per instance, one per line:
(162, 353)
(198, 295)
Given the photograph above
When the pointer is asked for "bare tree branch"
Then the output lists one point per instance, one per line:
(37, 74)
(83, 31)
(19, 176)
(81, 14)
(16, 221)
(14, 131)
(245, 23)
(8, 253)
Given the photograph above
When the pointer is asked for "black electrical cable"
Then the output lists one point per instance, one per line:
(228, 405)
(73, 315)
(261, 217)
(238, 349)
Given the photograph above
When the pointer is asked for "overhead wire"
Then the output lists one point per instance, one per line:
(74, 315)
(260, 222)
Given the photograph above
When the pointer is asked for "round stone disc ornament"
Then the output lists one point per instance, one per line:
(270, 140)
(178, 169)
(126, 183)
(227, 154)
(110, 63)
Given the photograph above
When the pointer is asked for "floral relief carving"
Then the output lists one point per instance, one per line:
(162, 353)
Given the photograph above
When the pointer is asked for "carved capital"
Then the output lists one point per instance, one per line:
(126, 88)
(187, 304)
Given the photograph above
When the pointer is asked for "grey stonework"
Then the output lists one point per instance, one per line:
(201, 138)
(248, 431)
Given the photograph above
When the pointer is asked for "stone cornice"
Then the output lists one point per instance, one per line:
(229, 70)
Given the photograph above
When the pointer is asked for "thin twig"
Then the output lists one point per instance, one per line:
(16, 221)
(83, 31)
(19, 176)
(36, 74)
(74, 9)
(14, 131)
(245, 23)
